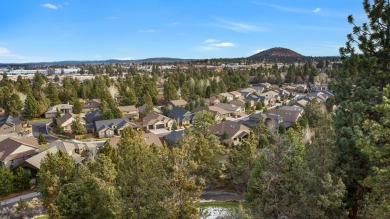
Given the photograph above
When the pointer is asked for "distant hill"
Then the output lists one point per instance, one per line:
(276, 52)
(110, 61)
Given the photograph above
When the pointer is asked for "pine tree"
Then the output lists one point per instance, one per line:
(6, 180)
(41, 139)
(52, 94)
(359, 90)
(241, 161)
(56, 170)
(31, 106)
(77, 127)
(21, 179)
(141, 180)
(77, 107)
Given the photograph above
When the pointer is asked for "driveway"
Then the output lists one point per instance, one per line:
(40, 127)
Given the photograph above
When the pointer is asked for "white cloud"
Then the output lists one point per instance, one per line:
(147, 31)
(239, 26)
(210, 41)
(211, 45)
(174, 24)
(51, 6)
(317, 10)
(4, 52)
(256, 51)
(227, 44)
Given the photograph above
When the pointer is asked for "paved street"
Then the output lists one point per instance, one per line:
(11, 201)
(40, 127)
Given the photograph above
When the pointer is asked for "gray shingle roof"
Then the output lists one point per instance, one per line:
(179, 113)
(9, 120)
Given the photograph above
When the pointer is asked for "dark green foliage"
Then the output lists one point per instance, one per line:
(56, 170)
(240, 163)
(358, 91)
(31, 106)
(21, 179)
(12, 104)
(41, 139)
(77, 107)
(6, 181)
(77, 127)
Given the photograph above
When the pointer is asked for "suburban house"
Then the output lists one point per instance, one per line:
(130, 112)
(155, 121)
(235, 94)
(111, 127)
(212, 101)
(282, 93)
(272, 120)
(62, 108)
(240, 102)
(181, 115)
(301, 102)
(290, 114)
(149, 138)
(234, 110)
(318, 87)
(9, 125)
(33, 164)
(66, 122)
(91, 105)
(272, 95)
(217, 112)
(152, 139)
(92, 116)
(231, 132)
(144, 109)
(255, 99)
(14, 151)
(173, 137)
(265, 85)
(301, 88)
(226, 96)
(321, 96)
(177, 103)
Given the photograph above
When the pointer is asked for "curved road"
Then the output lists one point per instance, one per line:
(40, 127)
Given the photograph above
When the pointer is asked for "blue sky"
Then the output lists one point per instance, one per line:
(34, 30)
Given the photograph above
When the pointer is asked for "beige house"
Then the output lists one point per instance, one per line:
(155, 121)
(231, 132)
(218, 113)
(9, 125)
(62, 108)
(91, 105)
(14, 152)
(130, 112)
(177, 103)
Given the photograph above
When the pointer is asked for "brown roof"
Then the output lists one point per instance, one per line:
(287, 114)
(152, 118)
(212, 109)
(238, 102)
(230, 127)
(180, 102)
(9, 145)
(151, 138)
(92, 103)
(65, 117)
(127, 108)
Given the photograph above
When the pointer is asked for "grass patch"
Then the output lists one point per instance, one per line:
(39, 120)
